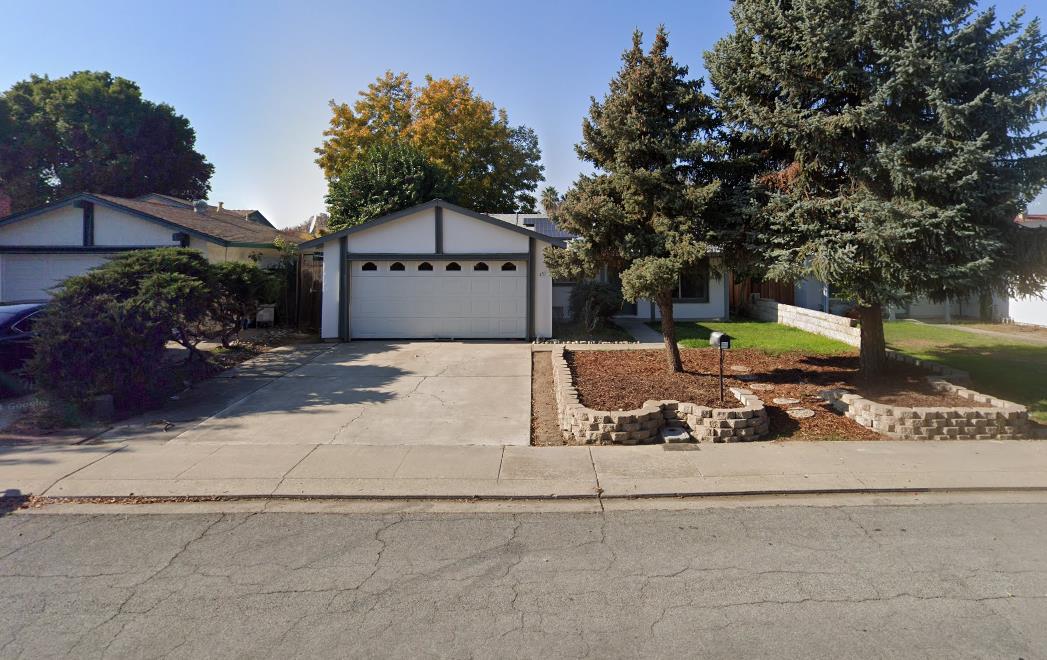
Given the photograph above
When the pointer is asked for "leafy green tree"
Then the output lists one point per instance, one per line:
(897, 141)
(93, 132)
(651, 211)
(386, 178)
(492, 165)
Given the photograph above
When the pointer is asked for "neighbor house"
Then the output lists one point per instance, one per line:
(1032, 310)
(700, 295)
(43, 246)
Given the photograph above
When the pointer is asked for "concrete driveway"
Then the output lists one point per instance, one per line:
(384, 393)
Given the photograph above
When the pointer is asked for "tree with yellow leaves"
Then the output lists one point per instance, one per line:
(489, 165)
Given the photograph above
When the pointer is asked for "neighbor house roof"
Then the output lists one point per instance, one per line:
(1032, 219)
(251, 214)
(536, 222)
(427, 205)
(217, 226)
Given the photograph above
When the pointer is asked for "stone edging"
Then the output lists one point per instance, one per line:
(1004, 420)
(581, 425)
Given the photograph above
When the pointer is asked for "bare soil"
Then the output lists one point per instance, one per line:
(545, 428)
(623, 380)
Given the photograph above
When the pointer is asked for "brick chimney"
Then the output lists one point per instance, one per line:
(5, 204)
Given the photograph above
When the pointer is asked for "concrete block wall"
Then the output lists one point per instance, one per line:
(582, 425)
(828, 325)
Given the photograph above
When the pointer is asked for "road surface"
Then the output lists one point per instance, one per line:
(935, 580)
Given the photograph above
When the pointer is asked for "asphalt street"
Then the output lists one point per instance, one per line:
(936, 580)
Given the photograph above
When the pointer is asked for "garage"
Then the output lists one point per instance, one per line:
(25, 277)
(434, 271)
(439, 299)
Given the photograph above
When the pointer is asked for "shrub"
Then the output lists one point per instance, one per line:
(106, 331)
(594, 303)
(241, 288)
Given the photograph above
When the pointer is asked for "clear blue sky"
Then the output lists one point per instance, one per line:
(254, 78)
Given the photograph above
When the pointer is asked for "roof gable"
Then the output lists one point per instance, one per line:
(436, 203)
(218, 227)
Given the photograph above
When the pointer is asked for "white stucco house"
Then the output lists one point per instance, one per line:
(434, 271)
(1030, 310)
(43, 246)
(700, 296)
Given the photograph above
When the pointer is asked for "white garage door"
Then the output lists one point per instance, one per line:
(438, 300)
(29, 276)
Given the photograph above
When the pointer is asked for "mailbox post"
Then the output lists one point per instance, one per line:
(723, 342)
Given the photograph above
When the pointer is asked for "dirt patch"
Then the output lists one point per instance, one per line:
(545, 426)
(623, 380)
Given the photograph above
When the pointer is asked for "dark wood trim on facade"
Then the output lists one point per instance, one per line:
(445, 256)
(531, 260)
(343, 291)
(439, 227)
(89, 223)
(73, 249)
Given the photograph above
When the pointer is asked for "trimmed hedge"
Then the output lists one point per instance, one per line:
(105, 331)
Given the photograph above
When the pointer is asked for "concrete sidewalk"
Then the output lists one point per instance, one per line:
(172, 470)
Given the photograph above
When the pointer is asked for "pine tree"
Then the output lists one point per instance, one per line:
(897, 141)
(647, 212)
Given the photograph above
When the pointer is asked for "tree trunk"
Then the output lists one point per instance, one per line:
(672, 351)
(873, 355)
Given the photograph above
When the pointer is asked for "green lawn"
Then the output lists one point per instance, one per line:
(571, 331)
(1011, 369)
(765, 335)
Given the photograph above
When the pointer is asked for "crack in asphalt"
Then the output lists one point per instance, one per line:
(502, 581)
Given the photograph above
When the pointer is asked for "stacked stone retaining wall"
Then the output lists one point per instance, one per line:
(582, 425)
(840, 328)
(995, 420)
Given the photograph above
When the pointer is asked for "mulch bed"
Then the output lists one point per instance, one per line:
(545, 425)
(623, 380)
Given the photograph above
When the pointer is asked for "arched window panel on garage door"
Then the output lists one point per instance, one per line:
(425, 265)
(454, 266)
(508, 265)
(480, 266)
(397, 266)
(370, 265)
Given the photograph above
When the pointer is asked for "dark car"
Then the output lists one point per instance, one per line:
(16, 334)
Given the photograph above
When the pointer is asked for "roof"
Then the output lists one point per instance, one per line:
(1032, 219)
(220, 227)
(536, 222)
(251, 214)
(427, 205)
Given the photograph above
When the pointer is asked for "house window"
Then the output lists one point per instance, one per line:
(425, 265)
(370, 265)
(508, 265)
(694, 285)
(480, 266)
(397, 266)
(453, 266)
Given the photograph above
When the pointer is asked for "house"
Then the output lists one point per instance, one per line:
(1030, 310)
(434, 271)
(814, 294)
(700, 295)
(43, 246)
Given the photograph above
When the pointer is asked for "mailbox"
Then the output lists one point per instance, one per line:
(720, 340)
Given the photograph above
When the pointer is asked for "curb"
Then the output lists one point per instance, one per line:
(147, 499)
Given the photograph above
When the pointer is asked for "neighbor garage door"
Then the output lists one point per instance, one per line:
(438, 299)
(29, 276)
